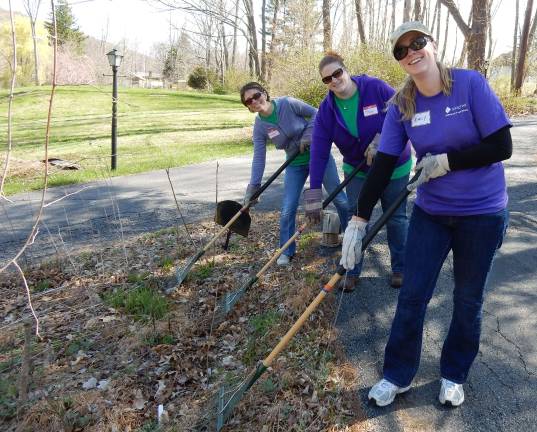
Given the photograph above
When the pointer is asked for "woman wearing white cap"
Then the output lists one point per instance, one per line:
(460, 134)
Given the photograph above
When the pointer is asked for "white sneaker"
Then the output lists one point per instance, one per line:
(283, 260)
(451, 392)
(384, 392)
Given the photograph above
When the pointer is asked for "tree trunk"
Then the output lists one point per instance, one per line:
(272, 48)
(327, 27)
(406, 10)
(36, 56)
(359, 18)
(234, 49)
(532, 30)
(438, 19)
(515, 39)
(476, 35)
(417, 10)
(384, 27)
(445, 37)
(435, 13)
(523, 51)
(32, 10)
(252, 38)
(393, 16)
(263, 40)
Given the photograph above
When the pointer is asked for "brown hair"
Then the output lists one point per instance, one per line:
(252, 85)
(329, 58)
(405, 98)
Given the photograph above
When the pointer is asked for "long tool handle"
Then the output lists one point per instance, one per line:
(274, 176)
(335, 278)
(254, 197)
(344, 183)
(301, 229)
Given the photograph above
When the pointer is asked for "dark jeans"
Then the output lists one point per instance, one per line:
(474, 241)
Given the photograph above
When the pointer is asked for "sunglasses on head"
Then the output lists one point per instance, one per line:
(400, 51)
(254, 97)
(336, 74)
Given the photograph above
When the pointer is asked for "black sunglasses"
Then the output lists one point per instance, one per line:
(255, 96)
(400, 51)
(336, 74)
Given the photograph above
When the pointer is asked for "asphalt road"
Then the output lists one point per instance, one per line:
(502, 387)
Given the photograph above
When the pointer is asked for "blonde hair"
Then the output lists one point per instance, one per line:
(405, 98)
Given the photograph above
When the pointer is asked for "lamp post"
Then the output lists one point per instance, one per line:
(114, 58)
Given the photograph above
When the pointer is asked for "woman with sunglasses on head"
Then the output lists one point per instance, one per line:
(287, 122)
(460, 134)
(351, 116)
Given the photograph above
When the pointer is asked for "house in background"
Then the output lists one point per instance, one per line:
(147, 80)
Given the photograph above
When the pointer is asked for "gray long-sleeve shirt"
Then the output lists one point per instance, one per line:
(295, 119)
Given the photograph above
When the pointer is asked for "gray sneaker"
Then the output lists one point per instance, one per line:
(384, 392)
(283, 260)
(450, 392)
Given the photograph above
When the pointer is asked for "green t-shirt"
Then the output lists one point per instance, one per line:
(301, 159)
(273, 117)
(349, 111)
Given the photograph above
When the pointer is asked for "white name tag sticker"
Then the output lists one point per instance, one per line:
(273, 133)
(421, 119)
(370, 110)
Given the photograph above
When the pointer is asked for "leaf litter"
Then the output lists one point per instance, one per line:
(104, 366)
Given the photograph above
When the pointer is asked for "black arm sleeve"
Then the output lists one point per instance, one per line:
(376, 181)
(494, 148)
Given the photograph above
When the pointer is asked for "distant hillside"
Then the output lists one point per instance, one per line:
(90, 65)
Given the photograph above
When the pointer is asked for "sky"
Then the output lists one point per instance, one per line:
(144, 23)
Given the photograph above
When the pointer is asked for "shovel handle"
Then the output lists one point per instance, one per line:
(273, 177)
(224, 228)
(344, 183)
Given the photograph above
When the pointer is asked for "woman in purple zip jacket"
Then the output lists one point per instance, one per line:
(351, 116)
(460, 133)
(287, 122)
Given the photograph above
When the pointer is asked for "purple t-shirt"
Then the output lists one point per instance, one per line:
(445, 123)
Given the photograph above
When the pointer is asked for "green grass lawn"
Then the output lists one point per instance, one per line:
(156, 129)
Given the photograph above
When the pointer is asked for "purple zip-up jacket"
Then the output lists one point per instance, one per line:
(330, 127)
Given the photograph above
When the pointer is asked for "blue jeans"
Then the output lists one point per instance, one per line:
(295, 178)
(396, 226)
(474, 241)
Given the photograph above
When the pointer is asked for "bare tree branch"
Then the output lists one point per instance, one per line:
(34, 230)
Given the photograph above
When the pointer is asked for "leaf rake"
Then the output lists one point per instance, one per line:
(228, 300)
(220, 413)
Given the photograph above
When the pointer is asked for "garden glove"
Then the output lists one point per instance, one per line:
(250, 191)
(313, 204)
(305, 140)
(371, 150)
(351, 250)
(432, 166)
(304, 145)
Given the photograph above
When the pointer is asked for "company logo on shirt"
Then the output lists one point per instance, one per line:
(455, 110)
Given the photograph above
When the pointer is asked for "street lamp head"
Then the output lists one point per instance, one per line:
(114, 58)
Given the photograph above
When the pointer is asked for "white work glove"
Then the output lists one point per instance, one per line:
(432, 166)
(371, 150)
(351, 250)
(250, 191)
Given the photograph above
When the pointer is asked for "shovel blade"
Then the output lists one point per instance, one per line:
(225, 210)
